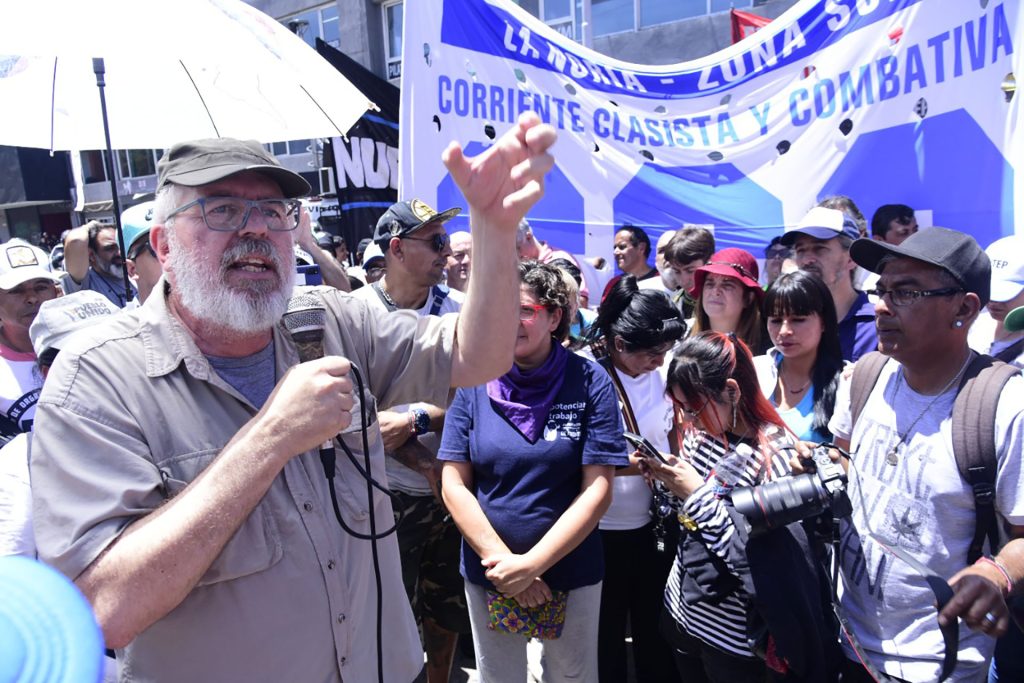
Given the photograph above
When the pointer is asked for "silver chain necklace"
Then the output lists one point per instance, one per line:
(892, 457)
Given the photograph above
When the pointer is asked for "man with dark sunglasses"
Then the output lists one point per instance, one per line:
(416, 249)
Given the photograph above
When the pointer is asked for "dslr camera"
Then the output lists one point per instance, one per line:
(778, 503)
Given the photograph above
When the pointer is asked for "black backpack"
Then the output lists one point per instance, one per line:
(974, 432)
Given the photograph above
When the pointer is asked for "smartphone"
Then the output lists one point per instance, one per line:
(643, 446)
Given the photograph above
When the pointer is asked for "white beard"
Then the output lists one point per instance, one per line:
(202, 289)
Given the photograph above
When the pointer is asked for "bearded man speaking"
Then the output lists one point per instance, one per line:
(175, 466)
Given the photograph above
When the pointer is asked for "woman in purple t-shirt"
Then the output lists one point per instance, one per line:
(529, 460)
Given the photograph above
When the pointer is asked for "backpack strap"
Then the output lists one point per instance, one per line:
(865, 375)
(974, 443)
(1010, 353)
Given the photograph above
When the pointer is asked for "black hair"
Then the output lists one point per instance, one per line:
(802, 293)
(550, 289)
(690, 244)
(642, 318)
(569, 267)
(95, 228)
(638, 237)
(885, 215)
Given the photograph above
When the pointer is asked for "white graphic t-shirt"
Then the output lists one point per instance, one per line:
(923, 505)
(20, 382)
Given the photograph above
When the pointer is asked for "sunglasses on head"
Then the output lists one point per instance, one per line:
(438, 242)
(737, 267)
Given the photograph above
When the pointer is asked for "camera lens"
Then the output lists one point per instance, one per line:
(781, 502)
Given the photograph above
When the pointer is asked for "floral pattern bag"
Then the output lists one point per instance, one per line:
(544, 622)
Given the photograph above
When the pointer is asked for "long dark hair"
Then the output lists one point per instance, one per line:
(802, 293)
(642, 318)
(700, 368)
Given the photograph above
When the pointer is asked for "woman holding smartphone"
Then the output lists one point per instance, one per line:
(733, 438)
(636, 329)
(528, 463)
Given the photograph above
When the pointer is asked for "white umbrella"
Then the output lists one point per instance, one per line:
(175, 70)
(171, 70)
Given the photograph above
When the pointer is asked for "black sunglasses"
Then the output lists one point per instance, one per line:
(438, 242)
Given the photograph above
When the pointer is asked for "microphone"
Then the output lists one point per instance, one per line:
(305, 319)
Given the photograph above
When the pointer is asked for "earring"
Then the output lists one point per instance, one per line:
(733, 415)
(958, 323)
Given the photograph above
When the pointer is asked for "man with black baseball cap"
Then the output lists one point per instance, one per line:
(821, 245)
(906, 488)
(193, 511)
(416, 247)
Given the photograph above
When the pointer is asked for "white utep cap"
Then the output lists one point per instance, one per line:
(1007, 257)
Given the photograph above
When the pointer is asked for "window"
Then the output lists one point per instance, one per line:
(136, 163)
(94, 169)
(612, 16)
(617, 16)
(562, 15)
(393, 39)
(653, 12)
(316, 23)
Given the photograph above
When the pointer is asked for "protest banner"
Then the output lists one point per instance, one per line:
(894, 101)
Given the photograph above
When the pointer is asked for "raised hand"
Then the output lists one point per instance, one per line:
(502, 183)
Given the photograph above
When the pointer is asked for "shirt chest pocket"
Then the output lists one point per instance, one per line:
(254, 547)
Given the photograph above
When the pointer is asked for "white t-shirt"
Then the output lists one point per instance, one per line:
(923, 505)
(20, 382)
(982, 338)
(400, 477)
(16, 537)
(631, 497)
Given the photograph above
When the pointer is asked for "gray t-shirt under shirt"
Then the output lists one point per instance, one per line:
(252, 376)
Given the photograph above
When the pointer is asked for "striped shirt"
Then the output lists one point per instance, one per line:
(722, 625)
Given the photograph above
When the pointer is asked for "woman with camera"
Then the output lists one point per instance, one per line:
(728, 297)
(799, 375)
(634, 331)
(742, 608)
(528, 464)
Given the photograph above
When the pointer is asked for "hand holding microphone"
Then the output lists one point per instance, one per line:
(313, 402)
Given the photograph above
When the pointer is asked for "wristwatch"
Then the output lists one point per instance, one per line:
(420, 421)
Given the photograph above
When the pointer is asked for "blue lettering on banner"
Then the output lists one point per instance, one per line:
(474, 24)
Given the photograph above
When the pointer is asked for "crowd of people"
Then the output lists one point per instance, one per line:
(451, 459)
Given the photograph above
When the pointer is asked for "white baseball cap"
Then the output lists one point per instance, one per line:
(1007, 257)
(21, 262)
(823, 224)
(58, 318)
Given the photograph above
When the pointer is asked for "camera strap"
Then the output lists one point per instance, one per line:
(940, 589)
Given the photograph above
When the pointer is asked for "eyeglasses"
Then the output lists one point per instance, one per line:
(905, 297)
(692, 414)
(740, 269)
(438, 242)
(137, 251)
(230, 214)
(528, 312)
(776, 254)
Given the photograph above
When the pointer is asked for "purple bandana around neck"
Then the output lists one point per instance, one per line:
(525, 397)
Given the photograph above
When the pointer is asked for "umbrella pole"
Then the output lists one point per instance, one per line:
(99, 69)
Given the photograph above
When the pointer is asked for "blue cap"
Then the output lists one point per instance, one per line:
(135, 223)
(48, 633)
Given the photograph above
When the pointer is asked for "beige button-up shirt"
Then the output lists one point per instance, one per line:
(133, 412)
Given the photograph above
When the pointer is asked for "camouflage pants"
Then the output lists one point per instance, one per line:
(429, 544)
